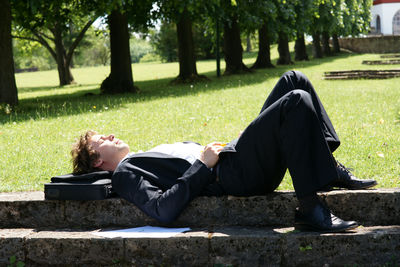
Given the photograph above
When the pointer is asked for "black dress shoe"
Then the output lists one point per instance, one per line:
(347, 180)
(320, 219)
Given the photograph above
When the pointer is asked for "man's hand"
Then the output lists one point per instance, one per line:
(209, 156)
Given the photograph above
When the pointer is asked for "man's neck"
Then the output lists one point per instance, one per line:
(111, 166)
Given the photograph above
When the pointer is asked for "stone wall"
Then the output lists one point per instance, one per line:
(372, 44)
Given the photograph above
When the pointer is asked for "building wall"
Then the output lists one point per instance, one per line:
(386, 11)
(372, 44)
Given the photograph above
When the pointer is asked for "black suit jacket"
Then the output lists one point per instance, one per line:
(161, 185)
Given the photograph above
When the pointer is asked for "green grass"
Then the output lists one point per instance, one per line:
(36, 137)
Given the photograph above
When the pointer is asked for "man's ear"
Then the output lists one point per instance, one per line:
(98, 163)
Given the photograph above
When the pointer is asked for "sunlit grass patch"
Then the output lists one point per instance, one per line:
(35, 137)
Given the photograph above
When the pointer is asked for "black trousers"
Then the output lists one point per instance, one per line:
(292, 131)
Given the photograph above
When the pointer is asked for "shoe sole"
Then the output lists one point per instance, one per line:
(327, 189)
(309, 228)
(364, 187)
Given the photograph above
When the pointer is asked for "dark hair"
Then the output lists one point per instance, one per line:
(83, 156)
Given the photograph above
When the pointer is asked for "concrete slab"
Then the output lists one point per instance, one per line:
(245, 247)
(225, 246)
(367, 246)
(369, 207)
(29, 209)
(12, 244)
(187, 249)
(76, 248)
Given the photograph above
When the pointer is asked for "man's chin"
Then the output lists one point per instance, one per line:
(126, 151)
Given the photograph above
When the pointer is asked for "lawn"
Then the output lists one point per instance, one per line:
(36, 137)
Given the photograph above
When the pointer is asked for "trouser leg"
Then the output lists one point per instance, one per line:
(286, 134)
(292, 80)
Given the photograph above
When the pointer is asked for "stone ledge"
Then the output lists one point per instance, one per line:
(361, 74)
(232, 246)
(30, 210)
(371, 44)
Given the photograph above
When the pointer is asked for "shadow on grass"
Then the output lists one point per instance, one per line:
(90, 100)
(54, 87)
(36, 89)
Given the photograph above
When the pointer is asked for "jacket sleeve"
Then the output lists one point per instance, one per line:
(130, 183)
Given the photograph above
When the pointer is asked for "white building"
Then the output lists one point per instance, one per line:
(385, 17)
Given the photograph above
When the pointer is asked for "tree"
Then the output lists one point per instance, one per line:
(183, 14)
(315, 30)
(139, 48)
(122, 16)
(203, 36)
(262, 18)
(326, 21)
(54, 24)
(120, 78)
(165, 42)
(326, 49)
(335, 18)
(286, 17)
(248, 43)
(94, 49)
(300, 50)
(303, 9)
(316, 43)
(8, 88)
(233, 50)
(263, 59)
(31, 55)
(335, 43)
(339, 9)
(283, 49)
(186, 51)
(356, 16)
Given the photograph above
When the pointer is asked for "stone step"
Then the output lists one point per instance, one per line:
(390, 56)
(381, 62)
(361, 74)
(229, 246)
(30, 210)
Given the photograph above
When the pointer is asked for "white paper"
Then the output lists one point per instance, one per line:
(143, 232)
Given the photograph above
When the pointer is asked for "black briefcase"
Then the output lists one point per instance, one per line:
(88, 186)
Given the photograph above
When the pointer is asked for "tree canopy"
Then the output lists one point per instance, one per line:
(60, 25)
(57, 25)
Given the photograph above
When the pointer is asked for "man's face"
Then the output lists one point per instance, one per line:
(109, 147)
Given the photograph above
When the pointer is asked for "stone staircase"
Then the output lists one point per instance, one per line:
(361, 74)
(226, 231)
(381, 62)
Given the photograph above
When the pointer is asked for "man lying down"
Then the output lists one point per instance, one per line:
(292, 131)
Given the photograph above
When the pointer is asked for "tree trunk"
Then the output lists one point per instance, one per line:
(248, 43)
(120, 79)
(264, 56)
(283, 49)
(326, 49)
(317, 51)
(8, 88)
(335, 43)
(233, 50)
(186, 54)
(300, 50)
(64, 73)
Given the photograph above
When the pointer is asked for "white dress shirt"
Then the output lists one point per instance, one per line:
(187, 150)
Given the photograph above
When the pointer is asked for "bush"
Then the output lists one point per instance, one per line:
(139, 48)
(29, 54)
(165, 42)
(94, 49)
(151, 57)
